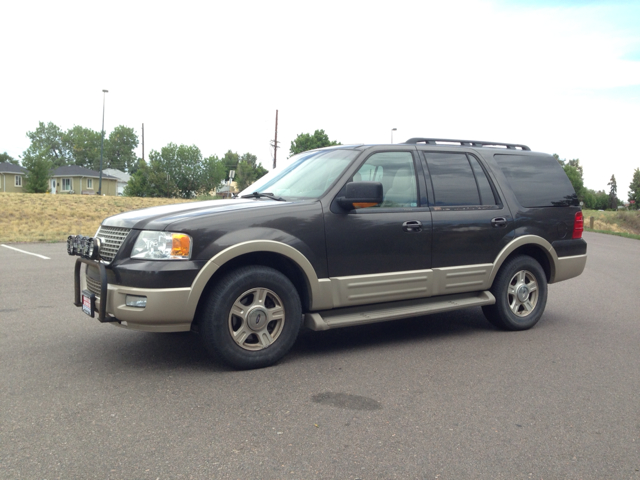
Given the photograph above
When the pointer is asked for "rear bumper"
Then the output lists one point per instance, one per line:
(166, 309)
(569, 267)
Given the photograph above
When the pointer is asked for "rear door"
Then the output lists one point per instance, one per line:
(471, 223)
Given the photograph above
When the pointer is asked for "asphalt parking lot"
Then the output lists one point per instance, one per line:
(445, 396)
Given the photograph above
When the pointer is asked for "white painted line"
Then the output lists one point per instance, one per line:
(22, 251)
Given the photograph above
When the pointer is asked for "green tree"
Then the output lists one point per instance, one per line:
(6, 158)
(213, 173)
(38, 167)
(47, 140)
(119, 149)
(230, 161)
(575, 177)
(634, 190)
(83, 147)
(183, 164)
(150, 180)
(306, 141)
(613, 193)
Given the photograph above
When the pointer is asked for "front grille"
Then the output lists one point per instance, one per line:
(112, 238)
(93, 285)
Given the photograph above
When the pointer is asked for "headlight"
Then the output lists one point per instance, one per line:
(162, 246)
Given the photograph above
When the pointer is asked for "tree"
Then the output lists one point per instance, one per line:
(47, 140)
(6, 158)
(613, 197)
(183, 164)
(38, 167)
(213, 173)
(83, 147)
(248, 171)
(150, 181)
(574, 172)
(230, 161)
(575, 177)
(634, 190)
(119, 149)
(305, 141)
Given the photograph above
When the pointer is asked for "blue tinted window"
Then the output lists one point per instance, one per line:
(486, 193)
(452, 179)
(537, 180)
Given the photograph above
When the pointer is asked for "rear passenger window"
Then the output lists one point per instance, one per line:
(486, 193)
(458, 180)
(537, 180)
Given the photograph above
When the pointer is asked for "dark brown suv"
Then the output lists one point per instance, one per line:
(342, 236)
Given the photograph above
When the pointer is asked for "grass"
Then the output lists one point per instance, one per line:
(34, 217)
(31, 217)
(622, 223)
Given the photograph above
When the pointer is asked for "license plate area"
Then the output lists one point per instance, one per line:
(89, 303)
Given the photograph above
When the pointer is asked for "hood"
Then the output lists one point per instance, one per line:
(159, 218)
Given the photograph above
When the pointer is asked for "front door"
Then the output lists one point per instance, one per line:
(53, 186)
(376, 252)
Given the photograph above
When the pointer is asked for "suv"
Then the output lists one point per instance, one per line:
(337, 237)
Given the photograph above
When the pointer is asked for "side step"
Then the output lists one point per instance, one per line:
(380, 312)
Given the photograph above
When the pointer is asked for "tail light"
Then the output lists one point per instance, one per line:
(578, 225)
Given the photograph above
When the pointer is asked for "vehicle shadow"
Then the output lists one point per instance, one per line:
(168, 351)
(417, 329)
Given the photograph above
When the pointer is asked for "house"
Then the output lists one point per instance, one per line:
(123, 178)
(74, 179)
(11, 177)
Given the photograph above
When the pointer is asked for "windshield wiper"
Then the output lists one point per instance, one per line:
(265, 195)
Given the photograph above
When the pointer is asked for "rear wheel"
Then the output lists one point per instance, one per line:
(252, 317)
(520, 289)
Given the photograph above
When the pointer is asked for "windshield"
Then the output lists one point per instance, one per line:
(306, 175)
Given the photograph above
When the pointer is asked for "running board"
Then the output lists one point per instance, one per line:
(381, 312)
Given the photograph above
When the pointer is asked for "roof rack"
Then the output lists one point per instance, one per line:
(466, 143)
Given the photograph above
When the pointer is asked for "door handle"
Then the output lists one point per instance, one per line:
(412, 226)
(499, 222)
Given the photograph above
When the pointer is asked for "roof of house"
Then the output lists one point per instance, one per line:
(76, 171)
(119, 174)
(6, 167)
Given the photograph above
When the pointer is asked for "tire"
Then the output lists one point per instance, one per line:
(252, 317)
(520, 289)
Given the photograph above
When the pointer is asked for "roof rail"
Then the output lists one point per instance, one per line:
(466, 143)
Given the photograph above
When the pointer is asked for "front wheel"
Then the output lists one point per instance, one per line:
(252, 317)
(520, 289)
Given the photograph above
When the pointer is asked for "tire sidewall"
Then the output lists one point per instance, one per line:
(507, 318)
(215, 321)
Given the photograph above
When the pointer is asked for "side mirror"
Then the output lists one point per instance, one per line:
(361, 195)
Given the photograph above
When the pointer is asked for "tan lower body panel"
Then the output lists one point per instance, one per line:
(569, 267)
(165, 311)
(381, 312)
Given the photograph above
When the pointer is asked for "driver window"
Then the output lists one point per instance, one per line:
(397, 174)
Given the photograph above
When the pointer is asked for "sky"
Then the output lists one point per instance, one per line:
(559, 76)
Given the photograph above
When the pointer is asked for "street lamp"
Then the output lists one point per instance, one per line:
(104, 92)
(392, 130)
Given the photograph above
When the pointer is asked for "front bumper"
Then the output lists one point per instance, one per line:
(166, 310)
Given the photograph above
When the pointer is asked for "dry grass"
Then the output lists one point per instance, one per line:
(615, 222)
(43, 217)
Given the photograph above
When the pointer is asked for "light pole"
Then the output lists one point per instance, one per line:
(104, 92)
(392, 130)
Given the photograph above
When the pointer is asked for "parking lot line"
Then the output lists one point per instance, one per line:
(23, 251)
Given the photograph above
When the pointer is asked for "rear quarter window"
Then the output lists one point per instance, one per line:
(537, 180)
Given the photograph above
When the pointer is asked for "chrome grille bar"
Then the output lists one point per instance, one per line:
(112, 238)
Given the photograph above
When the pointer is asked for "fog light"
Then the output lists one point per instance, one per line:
(136, 301)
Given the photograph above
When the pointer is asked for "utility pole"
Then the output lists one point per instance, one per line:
(143, 141)
(104, 94)
(274, 143)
